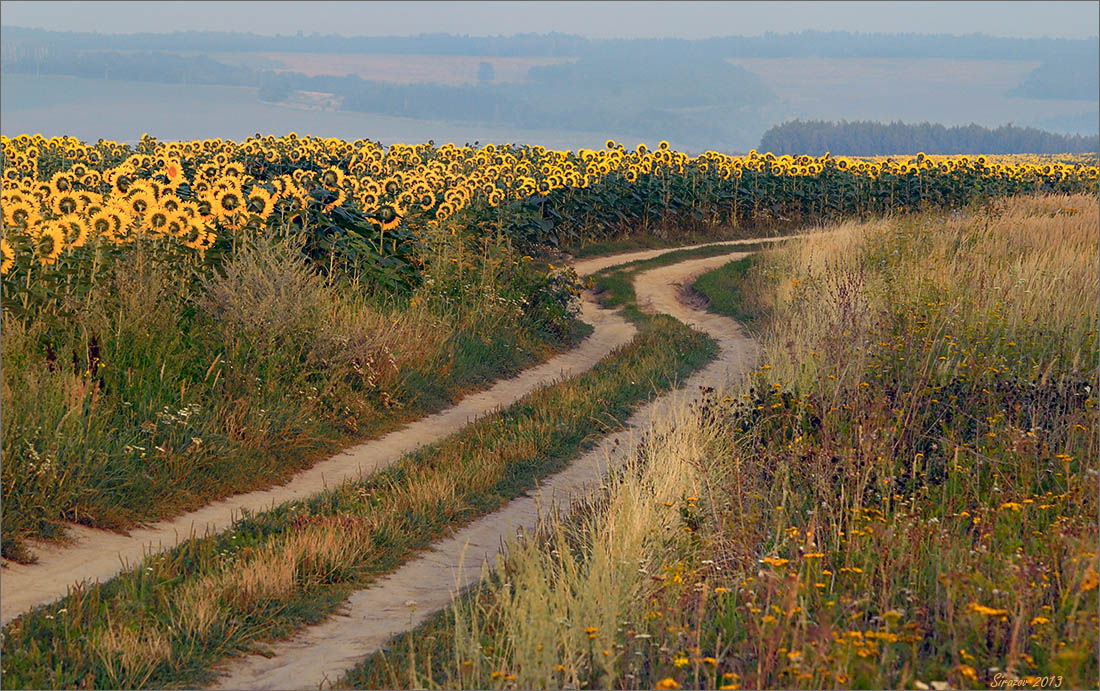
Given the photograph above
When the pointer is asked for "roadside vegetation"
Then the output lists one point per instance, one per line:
(903, 495)
(161, 389)
(169, 619)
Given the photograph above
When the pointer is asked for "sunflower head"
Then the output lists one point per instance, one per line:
(62, 182)
(158, 220)
(8, 255)
(260, 202)
(173, 170)
(49, 243)
(65, 203)
(20, 214)
(122, 183)
(388, 216)
(139, 202)
(332, 177)
(227, 203)
(101, 225)
(74, 229)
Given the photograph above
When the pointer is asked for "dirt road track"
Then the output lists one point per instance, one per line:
(97, 555)
(319, 655)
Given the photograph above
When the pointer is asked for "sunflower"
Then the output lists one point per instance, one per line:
(205, 205)
(139, 202)
(177, 226)
(188, 209)
(75, 230)
(121, 183)
(443, 211)
(332, 177)
(103, 224)
(260, 202)
(340, 198)
(206, 242)
(391, 187)
(62, 182)
(8, 257)
(64, 203)
(387, 216)
(191, 234)
(49, 243)
(227, 203)
(233, 170)
(158, 221)
(173, 170)
(19, 214)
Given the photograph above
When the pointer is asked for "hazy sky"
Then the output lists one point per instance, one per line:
(592, 19)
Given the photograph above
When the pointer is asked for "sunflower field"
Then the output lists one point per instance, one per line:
(70, 207)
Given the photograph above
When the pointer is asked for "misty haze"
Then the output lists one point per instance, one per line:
(563, 90)
(549, 345)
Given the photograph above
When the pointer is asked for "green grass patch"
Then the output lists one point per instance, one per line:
(614, 285)
(723, 289)
(166, 622)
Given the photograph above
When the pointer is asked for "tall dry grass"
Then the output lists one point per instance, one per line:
(581, 602)
(903, 495)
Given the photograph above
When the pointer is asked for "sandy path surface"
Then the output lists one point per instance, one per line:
(319, 655)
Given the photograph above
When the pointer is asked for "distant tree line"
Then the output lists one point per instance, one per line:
(142, 67)
(804, 44)
(867, 138)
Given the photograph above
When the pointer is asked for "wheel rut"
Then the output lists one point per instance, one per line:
(319, 655)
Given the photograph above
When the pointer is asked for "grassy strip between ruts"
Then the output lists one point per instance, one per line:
(614, 285)
(722, 289)
(167, 621)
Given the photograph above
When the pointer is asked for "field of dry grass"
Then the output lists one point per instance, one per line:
(904, 495)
